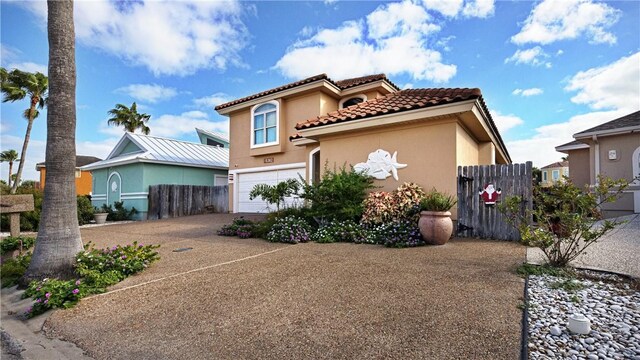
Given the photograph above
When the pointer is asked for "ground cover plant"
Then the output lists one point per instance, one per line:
(290, 229)
(12, 243)
(240, 227)
(96, 269)
(12, 269)
(568, 219)
(340, 231)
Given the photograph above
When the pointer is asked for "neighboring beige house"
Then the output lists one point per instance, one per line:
(611, 149)
(553, 173)
(416, 135)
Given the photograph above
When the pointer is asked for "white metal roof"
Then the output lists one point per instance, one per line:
(160, 150)
(214, 134)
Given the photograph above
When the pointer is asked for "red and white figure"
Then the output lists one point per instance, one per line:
(490, 195)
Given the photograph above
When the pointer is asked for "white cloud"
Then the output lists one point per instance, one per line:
(527, 92)
(505, 122)
(613, 86)
(175, 126)
(453, 8)
(8, 53)
(166, 37)
(148, 92)
(534, 57)
(392, 39)
(540, 148)
(211, 101)
(29, 67)
(554, 20)
(99, 149)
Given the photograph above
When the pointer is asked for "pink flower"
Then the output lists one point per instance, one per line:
(78, 282)
(38, 300)
(29, 309)
(123, 257)
(47, 295)
(114, 248)
(46, 301)
(75, 291)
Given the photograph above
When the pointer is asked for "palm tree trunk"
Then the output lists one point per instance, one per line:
(59, 238)
(10, 171)
(23, 154)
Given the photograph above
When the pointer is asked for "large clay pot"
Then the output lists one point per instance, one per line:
(436, 227)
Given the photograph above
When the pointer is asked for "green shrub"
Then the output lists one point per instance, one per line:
(275, 194)
(12, 269)
(568, 219)
(437, 201)
(85, 210)
(96, 269)
(12, 243)
(340, 231)
(120, 213)
(339, 195)
(289, 229)
(240, 227)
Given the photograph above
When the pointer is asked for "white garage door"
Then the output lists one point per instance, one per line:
(245, 182)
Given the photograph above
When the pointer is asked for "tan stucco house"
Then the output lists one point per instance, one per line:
(611, 149)
(416, 135)
(553, 173)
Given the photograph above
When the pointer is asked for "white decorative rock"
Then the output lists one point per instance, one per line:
(555, 331)
(579, 324)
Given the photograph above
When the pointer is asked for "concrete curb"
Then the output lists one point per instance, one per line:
(524, 349)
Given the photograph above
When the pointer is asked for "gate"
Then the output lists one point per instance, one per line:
(476, 218)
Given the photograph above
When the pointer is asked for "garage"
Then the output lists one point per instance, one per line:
(245, 181)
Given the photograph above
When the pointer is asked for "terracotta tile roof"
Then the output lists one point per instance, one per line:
(274, 90)
(400, 101)
(629, 120)
(295, 136)
(557, 165)
(347, 83)
(342, 84)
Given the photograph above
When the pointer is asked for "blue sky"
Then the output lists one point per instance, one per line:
(547, 69)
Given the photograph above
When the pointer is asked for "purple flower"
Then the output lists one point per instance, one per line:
(46, 301)
(114, 248)
(38, 300)
(47, 295)
(29, 309)
(123, 257)
(75, 291)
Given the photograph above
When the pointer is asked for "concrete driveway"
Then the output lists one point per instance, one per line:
(228, 298)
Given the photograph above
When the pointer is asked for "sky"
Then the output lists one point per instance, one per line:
(547, 69)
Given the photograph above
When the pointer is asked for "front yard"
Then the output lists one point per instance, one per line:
(247, 298)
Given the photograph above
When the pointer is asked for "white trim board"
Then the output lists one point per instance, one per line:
(268, 168)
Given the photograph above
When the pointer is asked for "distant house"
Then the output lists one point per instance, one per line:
(611, 149)
(138, 161)
(553, 173)
(83, 177)
(212, 138)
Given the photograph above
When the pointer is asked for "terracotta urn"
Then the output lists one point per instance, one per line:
(436, 227)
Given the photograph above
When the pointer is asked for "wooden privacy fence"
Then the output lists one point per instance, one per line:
(169, 201)
(477, 219)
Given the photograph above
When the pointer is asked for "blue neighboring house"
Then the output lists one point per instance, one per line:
(138, 161)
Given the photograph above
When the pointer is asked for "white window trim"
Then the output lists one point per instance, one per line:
(311, 164)
(635, 158)
(109, 186)
(253, 145)
(545, 176)
(342, 101)
(553, 177)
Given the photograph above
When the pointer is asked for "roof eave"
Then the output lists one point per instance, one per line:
(565, 148)
(609, 132)
(320, 83)
(163, 162)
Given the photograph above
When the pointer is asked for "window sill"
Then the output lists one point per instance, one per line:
(265, 150)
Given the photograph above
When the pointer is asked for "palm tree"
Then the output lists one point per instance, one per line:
(9, 156)
(59, 239)
(129, 118)
(17, 85)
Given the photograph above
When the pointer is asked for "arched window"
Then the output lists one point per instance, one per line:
(353, 100)
(635, 165)
(264, 124)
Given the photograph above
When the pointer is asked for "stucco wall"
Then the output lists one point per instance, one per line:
(624, 145)
(83, 183)
(429, 150)
(466, 148)
(579, 167)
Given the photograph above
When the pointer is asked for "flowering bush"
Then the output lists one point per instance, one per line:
(400, 234)
(97, 269)
(402, 203)
(240, 227)
(290, 229)
(340, 231)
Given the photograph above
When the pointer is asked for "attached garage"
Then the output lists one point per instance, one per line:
(245, 180)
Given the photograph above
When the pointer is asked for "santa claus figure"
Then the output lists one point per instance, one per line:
(490, 195)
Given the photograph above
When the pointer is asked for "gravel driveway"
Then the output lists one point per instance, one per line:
(228, 298)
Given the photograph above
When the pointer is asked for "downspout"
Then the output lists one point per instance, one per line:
(596, 159)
